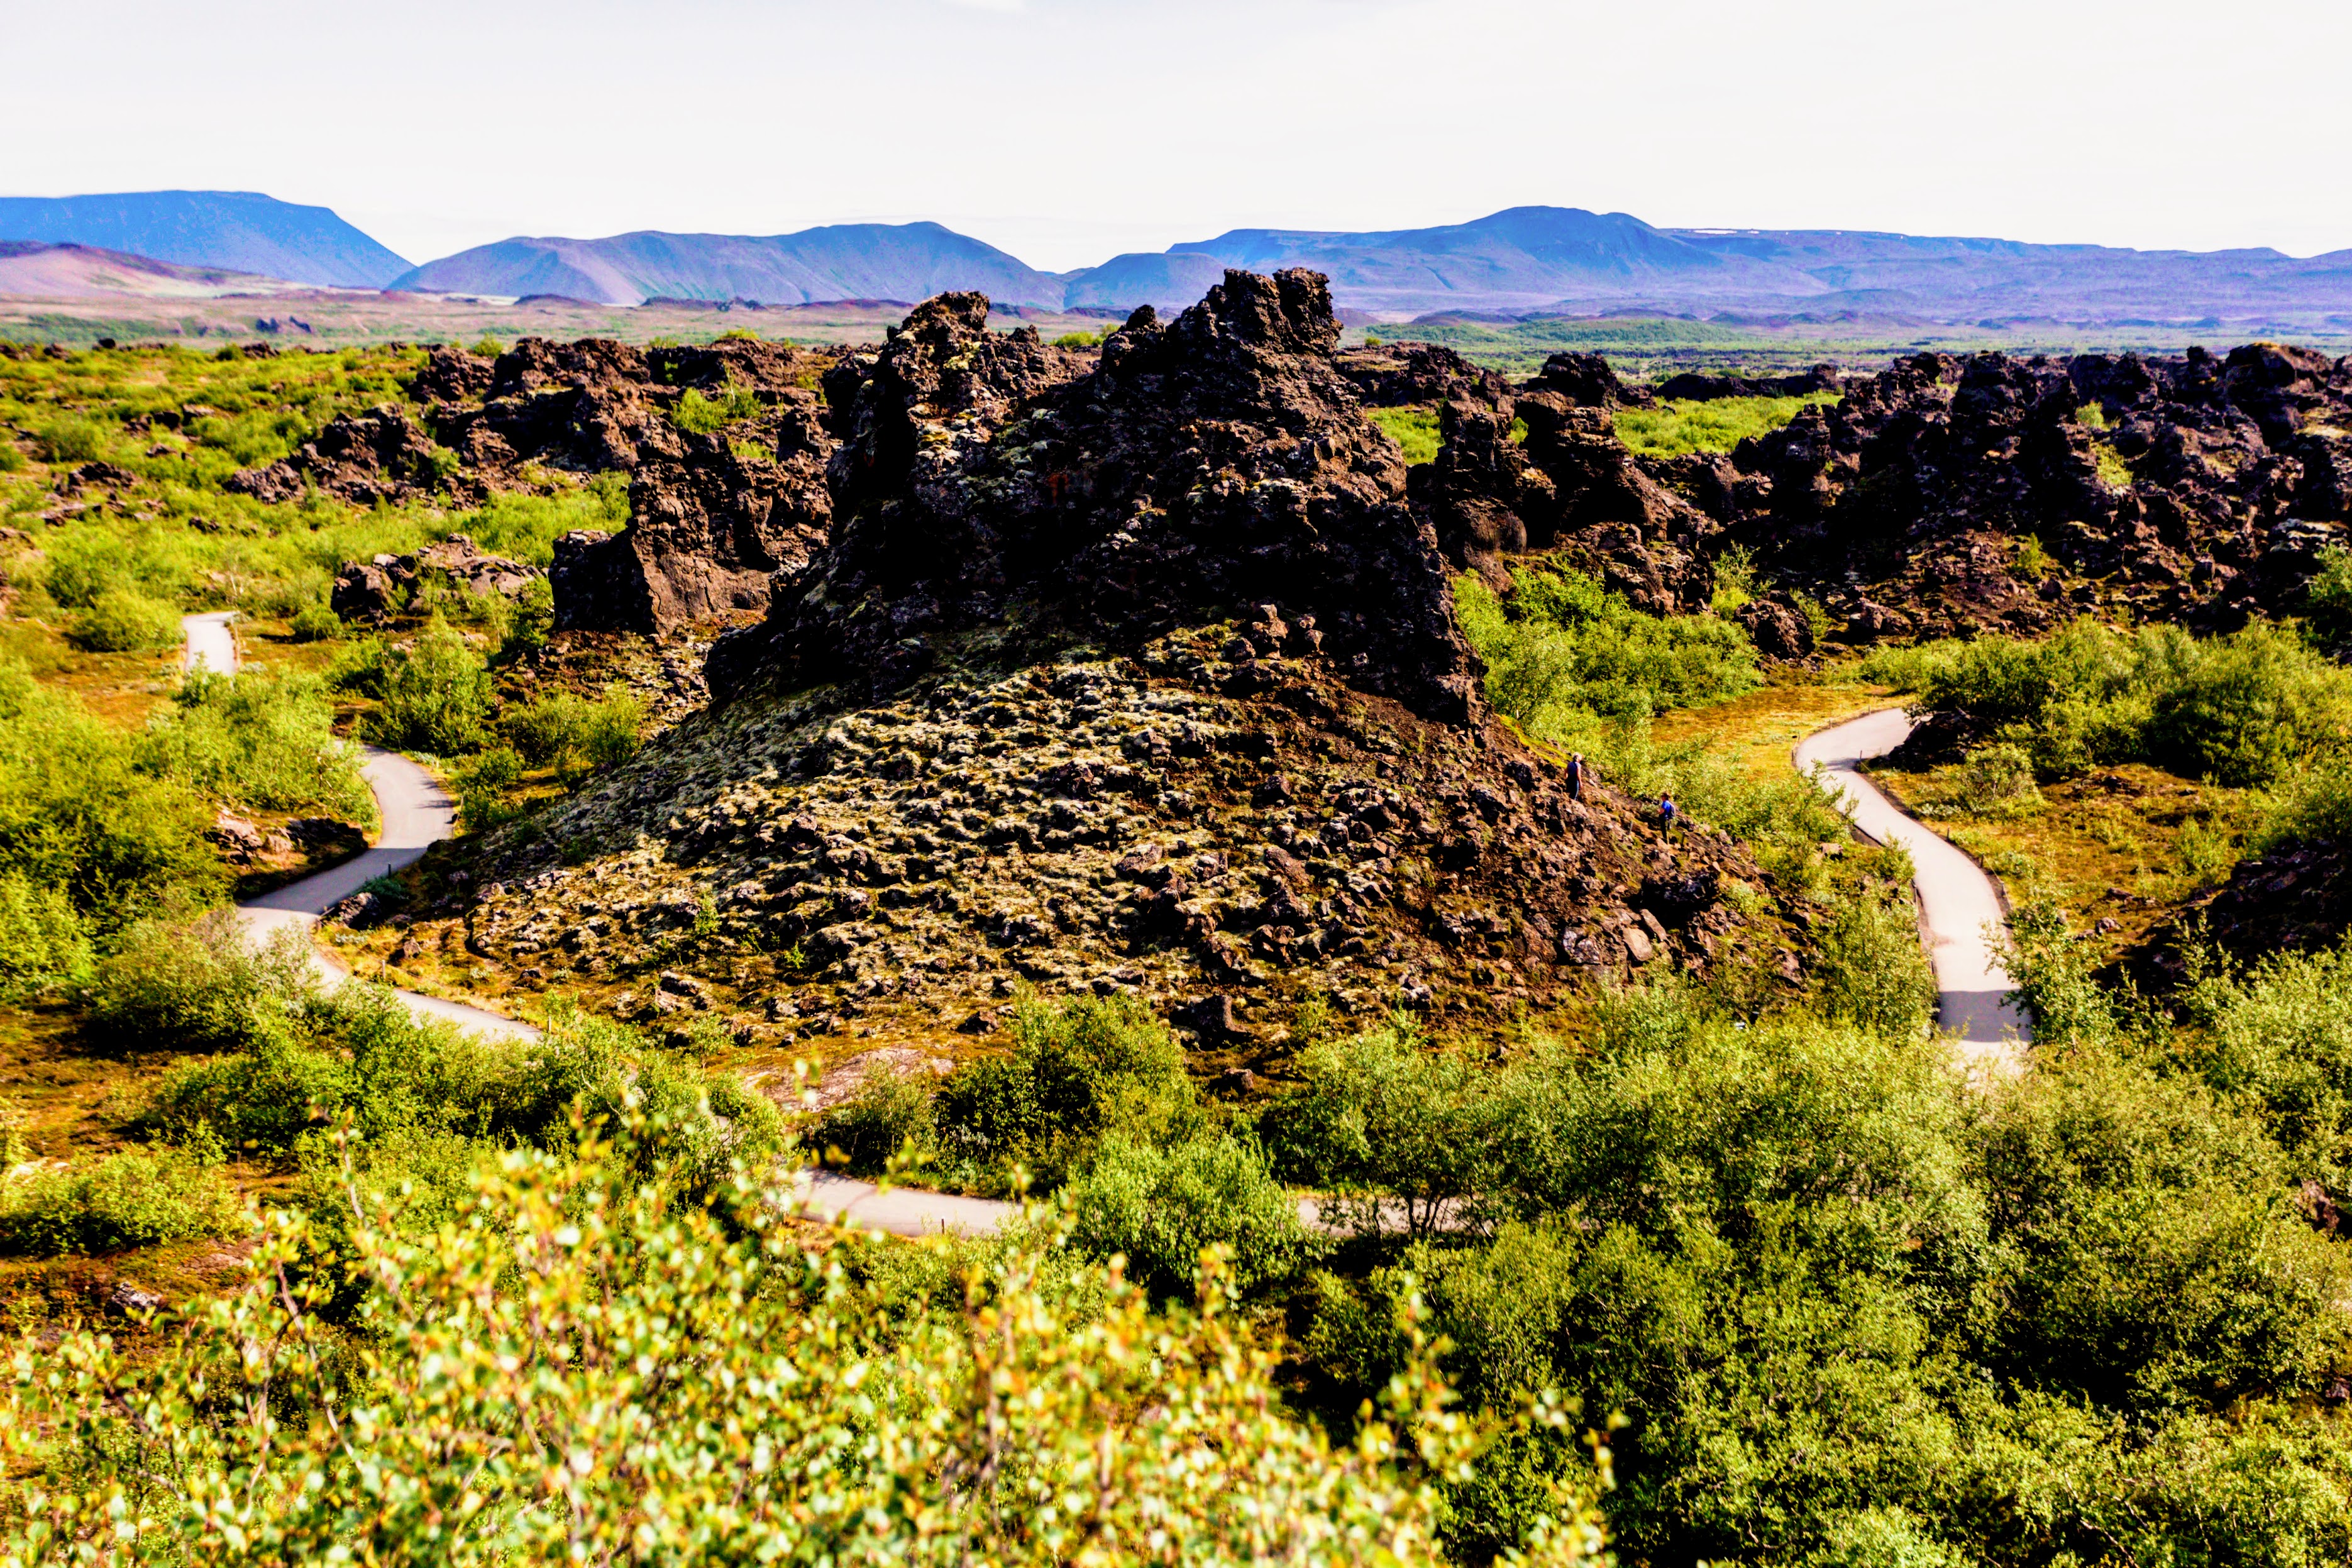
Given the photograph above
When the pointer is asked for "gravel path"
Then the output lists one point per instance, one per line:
(416, 815)
(1965, 910)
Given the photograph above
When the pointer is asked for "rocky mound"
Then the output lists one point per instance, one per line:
(1392, 375)
(985, 487)
(371, 591)
(1691, 386)
(1997, 492)
(1137, 678)
(379, 457)
(2297, 898)
(714, 515)
(1941, 496)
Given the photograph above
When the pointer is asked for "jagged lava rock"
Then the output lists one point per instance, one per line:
(985, 483)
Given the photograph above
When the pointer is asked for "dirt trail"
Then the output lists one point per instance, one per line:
(416, 815)
(1965, 910)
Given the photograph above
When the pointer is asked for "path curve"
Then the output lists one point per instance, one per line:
(1963, 904)
(416, 815)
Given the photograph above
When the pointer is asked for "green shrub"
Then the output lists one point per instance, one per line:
(79, 814)
(706, 416)
(545, 727)
(1382, 1115)
(482, 782)
(436, 696)
(1997, 781)
(719, 1392)
(890, 1114)
(42, 942)
(266, 742)
(199, 985)
(1870, 969)
(132, 1199)
(72, 438)
(2327, 599)
(1077, 1073)
(1162, 1207)
(1562, 655)
(316, 623)
(120, 621)
(610, 730)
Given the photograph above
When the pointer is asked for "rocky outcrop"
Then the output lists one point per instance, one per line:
(714, 515)
(379, 457)
(371, 591)
(1586, 381)
(1995, 492)
(1394, 376)
(990, 490)
(1942, 495)
(1692, 386)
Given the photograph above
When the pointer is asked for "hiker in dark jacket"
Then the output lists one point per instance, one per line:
(1576, 777)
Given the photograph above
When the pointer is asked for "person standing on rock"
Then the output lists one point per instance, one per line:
(1576, 777)
(1668, 813)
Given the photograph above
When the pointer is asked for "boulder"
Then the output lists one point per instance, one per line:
(369, 591)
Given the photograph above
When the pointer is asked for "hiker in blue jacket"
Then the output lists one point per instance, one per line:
(1668, 812)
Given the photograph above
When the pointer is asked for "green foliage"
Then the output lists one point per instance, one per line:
(135, 1198)
(197, 983)
(1414, 429)
(1562, 655)
(708, 415)
(707, 1390)
(1161, 1207)
(72, 438)
(483, 781)
(1716, 425)
(1076, 1074)
(889, 1114)
(120, 621)
(1855, 1310)
(2243, 709)
(1871, 968)
(316, 623)
(436, 695)
(267, 743)
(2327, 599)
(42, 942)
(2276, 1041)
(1083, 340)
(577, 736)
(80, 814)
(1384, 1121)
(1997, 781)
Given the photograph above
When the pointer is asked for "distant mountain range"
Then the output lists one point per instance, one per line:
(239, 230)
(849, 261)
(1524, 261)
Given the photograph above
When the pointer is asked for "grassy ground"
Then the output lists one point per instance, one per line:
(1761, 729)
(1718, 424)
(2127, 845)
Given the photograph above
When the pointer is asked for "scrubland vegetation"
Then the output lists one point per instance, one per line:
(1831, 1304)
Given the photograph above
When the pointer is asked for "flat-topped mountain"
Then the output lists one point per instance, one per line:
(241, 231)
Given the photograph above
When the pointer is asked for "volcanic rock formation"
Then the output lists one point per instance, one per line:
(987, 484)
(1139, 677)
(369, 591)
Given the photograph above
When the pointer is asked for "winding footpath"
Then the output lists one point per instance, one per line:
(1964, 912)
(416, 814)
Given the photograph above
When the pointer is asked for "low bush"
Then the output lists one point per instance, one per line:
(121, 621)
(261, 742)
(315, 623)
(1076, 1074)
(136, 1198)
(42, 942)
(1870, 970)
(1714, 424)
(2245, 710)
(482, 782)
(888, 1115)
(1162, 1207)
(706, 416)
(198, 985)
(436, 695)
(1414, 430)
(1997, 781)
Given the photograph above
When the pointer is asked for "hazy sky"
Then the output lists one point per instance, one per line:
(1066, 130)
